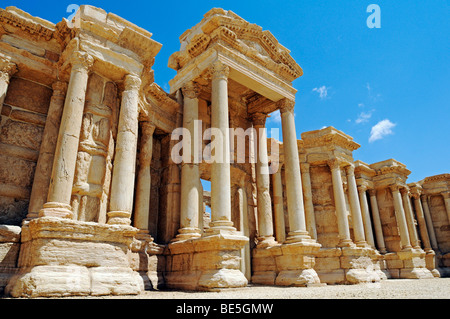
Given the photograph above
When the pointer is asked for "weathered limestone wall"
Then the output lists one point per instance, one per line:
(388, 222)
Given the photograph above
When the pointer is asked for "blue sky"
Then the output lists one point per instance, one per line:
(393, 80)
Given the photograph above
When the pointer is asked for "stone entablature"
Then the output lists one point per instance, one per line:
(94, 204)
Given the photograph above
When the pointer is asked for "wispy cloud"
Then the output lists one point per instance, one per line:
(374, 97)
(381, 129)
(323, 92)
(275, 117)
(364, 117)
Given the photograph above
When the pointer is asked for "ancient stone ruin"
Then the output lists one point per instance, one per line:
(94, 202)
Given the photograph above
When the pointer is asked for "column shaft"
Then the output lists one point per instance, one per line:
(358, 227)
(414, 239)
(220, 168)
(400, 217)
(366, 216)
(43, 171)
(422, 224)
(429, 221)
(144, 180)
(308, 200)
(339, 200)
(63, 170)
(294, 193)
(123, 178)
(377, 221)
(278, 207)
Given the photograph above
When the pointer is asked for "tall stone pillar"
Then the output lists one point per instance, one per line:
(43, 170)
(410, 218)
(422, 224)
(429, 222)
(63, 170)
(377, 221)
(278, 206)
(122, 184)
(358, 227)
(446, 196)
(190, 175)
(294, 193)
(308, 201)
(339, 200)
(400, 217)
(144, 179)
(264, 203)
(7, 69)
(366, 215)
(220, 168)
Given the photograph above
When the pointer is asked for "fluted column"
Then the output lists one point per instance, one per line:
(190, 175)
(43, 171)
(278, 206)
(63, 170)
(296, 212)
(414, 239)
(377, 221)
(421, 221)
(308, 201)
(358, 227)
(429, 221)
(144, 179)
(366, 215)
(122, 184)
(7, 69)
(400, 217)
(220, 168)
(263, 200)
(339, 200)
(446, 196)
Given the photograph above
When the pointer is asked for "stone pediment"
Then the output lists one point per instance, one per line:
(228, 29)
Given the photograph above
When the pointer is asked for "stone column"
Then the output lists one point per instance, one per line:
(422, 224)
(339, 200)
(366, 215)
(144, 179)
(220, 168)
(7, 69)
(446, 196)
(63, 170)
(42, 174)
(122, 184)
(278, 207)
(429, 221)
(410, 218)
(263, 200)
(190, 175)
(294, 193)
(308, 201)
(358, 227)
(400, 217)
(377, 221)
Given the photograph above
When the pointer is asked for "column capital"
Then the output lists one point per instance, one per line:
(59, 88)
(362, 188)
(132, 82)
(394, 187)
(219, 70)
(286, 105)
(334, 163)
(350, 169)
(372, 192)
(259, 119)
(7, 68)
(81, 60)
(304, 168)
(404, 191)
(424, 197)
(446, 194)
(191, 90)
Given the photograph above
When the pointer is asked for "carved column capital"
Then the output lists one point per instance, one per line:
(446, 194)
(191, 90)
(259, 119)
(59, 88)
(219, 70)
(394, 187)
(7, 68)
(362, 189)
(372, 192)
(81, 60)
(350, 169)
(286, 105)
(304, 168)
(334, 163)
(132, 82)
(404, 191)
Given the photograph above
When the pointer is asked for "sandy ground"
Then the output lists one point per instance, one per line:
(389, 289)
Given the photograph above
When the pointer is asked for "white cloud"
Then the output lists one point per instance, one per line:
(381, 129)
(323, 92)
(363, 117)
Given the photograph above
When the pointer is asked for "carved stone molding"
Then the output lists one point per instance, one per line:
(81, 60)
(350, 169)
(219, 70)
(286, 105)
(191, 90)
(7, 69)
(132, 82)
(334, 163)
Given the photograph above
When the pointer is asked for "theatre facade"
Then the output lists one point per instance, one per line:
(101, 169)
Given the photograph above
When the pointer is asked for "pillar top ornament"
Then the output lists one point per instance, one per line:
(404, 190)
(148, 127)
(259, 119)
(304, 167)
(191, 90)
(219, 70)
(395, 187)
(362, 188)
(334, 163)
(446, 194)
(372, 192)
(7, 67)
(83, 60)
(286, 105)
(132, 82)
(59, 88)
(350, 169)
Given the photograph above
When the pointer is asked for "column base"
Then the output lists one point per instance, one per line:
(408, 264)
(266, 241)
(208, 263)
(187, 233)
(61, 257)
(119, 218)
(221, 225)
(55, 209)
(298, 236)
